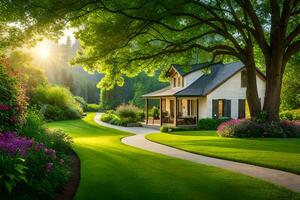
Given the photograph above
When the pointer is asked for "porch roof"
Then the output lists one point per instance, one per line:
(204, 84)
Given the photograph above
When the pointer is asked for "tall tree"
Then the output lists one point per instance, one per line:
(132, 36)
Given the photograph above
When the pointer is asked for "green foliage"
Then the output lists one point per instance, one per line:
(252, 128)
(154, 112)
(165, 129)
(210, 123)
(93, 108)
(28, 75)
(129, 113)
(33, 127)
(82, 103)
(59, 103)
(290, 96)
(108, 116)
(12, 172)
(131, 91)
(12, 101)
(290, 114)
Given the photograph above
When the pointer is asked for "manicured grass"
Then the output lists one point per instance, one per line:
(112, 170)
(279, 153)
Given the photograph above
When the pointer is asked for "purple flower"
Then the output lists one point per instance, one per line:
(61, 161)
(51, 153)
(12, 144)
(49, 168)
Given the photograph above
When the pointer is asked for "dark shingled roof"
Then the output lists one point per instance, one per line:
(186, 69)
(208, 82)
(205, 83)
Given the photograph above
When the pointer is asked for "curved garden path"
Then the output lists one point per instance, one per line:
(282, 178)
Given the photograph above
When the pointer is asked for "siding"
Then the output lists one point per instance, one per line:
(231, 89)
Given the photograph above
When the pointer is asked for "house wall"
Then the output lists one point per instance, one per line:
(202, 107)
(190, 78)
(232, 90)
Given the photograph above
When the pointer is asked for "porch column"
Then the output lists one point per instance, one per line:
(160, 111)
(146, 107)
(197, 111)
(176, 112)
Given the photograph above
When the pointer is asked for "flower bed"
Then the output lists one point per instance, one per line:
(28, 165)
(252, 128)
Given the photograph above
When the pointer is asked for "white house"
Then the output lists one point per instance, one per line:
(203, 91)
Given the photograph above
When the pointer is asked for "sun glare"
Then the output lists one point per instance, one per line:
(43, 52)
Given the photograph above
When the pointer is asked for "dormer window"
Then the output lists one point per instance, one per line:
(174, 82)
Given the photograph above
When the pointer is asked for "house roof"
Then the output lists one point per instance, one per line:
(186, 69)
(205, 83)
(208, 82)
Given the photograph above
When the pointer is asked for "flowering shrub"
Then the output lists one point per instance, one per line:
(13, 101)
(291, 128)
(44, 165)
(252, 128)
(226, 129)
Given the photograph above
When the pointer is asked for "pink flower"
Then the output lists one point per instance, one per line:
(61, 161)
(49, 167)
(4, 107)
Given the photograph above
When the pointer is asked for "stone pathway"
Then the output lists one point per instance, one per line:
(281, 178)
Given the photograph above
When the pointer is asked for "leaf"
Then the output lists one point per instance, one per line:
(8, 187)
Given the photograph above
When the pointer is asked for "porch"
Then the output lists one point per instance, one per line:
(174, 111)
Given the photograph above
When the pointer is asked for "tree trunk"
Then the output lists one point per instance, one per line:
(273, 89)
(252, 94)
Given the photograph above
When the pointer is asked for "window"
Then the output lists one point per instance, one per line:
(242, 108)
(244, 79)
(178, 82)
(221, 108)
(191, 107)
(174, 82)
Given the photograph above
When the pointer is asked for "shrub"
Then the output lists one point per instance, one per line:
(59, 101)
(291, 128)
(290, 115)
(12, 172)
(165, 129)
(211, 123)
(251, 128)
(93, 107)
(107, 117)
(13, 101)
(53, 113)
(82, 102)
(33, 127)
(72, 113)
(154, 112)
(226, 129)
(49, 168)
(248, 128)
(129, 113)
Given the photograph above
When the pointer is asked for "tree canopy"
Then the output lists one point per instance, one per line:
(120, 37)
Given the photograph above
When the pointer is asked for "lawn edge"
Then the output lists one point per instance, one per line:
(220, 157)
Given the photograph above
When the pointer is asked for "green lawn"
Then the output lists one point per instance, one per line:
(270, 152)
(112, 170)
